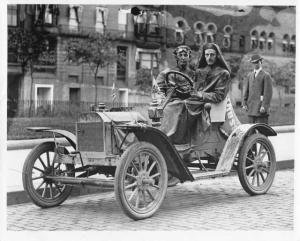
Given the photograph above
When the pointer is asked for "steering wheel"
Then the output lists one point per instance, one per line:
(175, 85)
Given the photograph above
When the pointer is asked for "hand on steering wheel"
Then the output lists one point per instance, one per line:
(180, 87)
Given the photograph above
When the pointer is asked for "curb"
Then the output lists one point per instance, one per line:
(20, 197)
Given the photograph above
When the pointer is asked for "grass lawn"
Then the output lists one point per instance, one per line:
(16, 127)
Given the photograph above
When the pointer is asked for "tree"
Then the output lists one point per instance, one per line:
(96, 50)
(27, 47)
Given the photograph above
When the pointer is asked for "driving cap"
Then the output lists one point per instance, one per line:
(181, 48)
(255, 58)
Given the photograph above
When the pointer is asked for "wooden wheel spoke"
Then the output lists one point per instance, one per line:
(265, 170)
(150, 194)
(57, 187)
(40, 170)
(40, 185)
(157, 187)
(131, 185)
(48, 159)
(43, 164)
(44, 191)
(257, 177)
(51, 190)
(132, 194)
(36, 178)
(248, 167)
(134, 166)
(137, 201)
(144, 196)
(146, 162)
(131, 175)
(262, 177)
(250, 159)
(155, 175)
(253, 180)
(251, 173)
(140, 162)
(151, 167)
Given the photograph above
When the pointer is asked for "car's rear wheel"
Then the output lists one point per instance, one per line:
(141, 180)
(38, 165)
(257, 164)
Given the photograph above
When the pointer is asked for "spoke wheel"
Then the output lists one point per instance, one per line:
(38, 165)
(141, 180)
(257, 164)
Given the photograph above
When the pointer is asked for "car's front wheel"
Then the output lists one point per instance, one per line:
(141, 180)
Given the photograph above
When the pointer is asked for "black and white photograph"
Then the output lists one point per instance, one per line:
(123, 116)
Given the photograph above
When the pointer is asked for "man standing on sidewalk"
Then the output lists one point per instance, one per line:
(258, 92)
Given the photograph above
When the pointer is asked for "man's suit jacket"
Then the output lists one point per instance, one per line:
(255, 87)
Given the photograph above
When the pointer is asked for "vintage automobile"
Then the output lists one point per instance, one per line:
(120, 149)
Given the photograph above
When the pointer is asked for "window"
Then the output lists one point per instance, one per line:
(242, 42)
(122, 19)
(270, 41)
(254, 39)
(293, 44)
(73, 78)
(12, 15)
(285, 42)
(99, 20)
(75, 15)
(153, 24)
(122, 63)
(262, 40)
(43, 98)
(211, 32)
(100, 80)
(179, 36)
(147, 59)
(200, 36)
(74, 96)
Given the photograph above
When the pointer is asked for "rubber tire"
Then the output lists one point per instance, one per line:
(27, 182)
(128, 155)
(242, 159)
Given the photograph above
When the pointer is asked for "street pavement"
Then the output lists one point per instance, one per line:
(211, 204)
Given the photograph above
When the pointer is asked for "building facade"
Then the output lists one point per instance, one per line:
(145, 40)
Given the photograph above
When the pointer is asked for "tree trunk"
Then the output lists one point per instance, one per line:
(31, 87)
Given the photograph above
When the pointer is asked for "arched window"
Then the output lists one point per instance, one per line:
(285, 42)
(254, 39)
(211, 32)
(242, 42)
(179, 32)
(228, 30)
(270, 40)
(200, 36)
(293, 44)
(262, 40)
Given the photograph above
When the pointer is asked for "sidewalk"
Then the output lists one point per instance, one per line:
(283, 145)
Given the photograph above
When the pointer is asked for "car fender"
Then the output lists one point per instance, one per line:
(176, 166)
(71, 138)
(235, 142)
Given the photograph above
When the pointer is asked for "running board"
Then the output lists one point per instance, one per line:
(209, 174)
(99, 182)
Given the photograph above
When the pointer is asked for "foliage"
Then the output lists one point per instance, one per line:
(144, 79)
(285, 76)
(234, 63)
(27, 46)
(96, 50)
